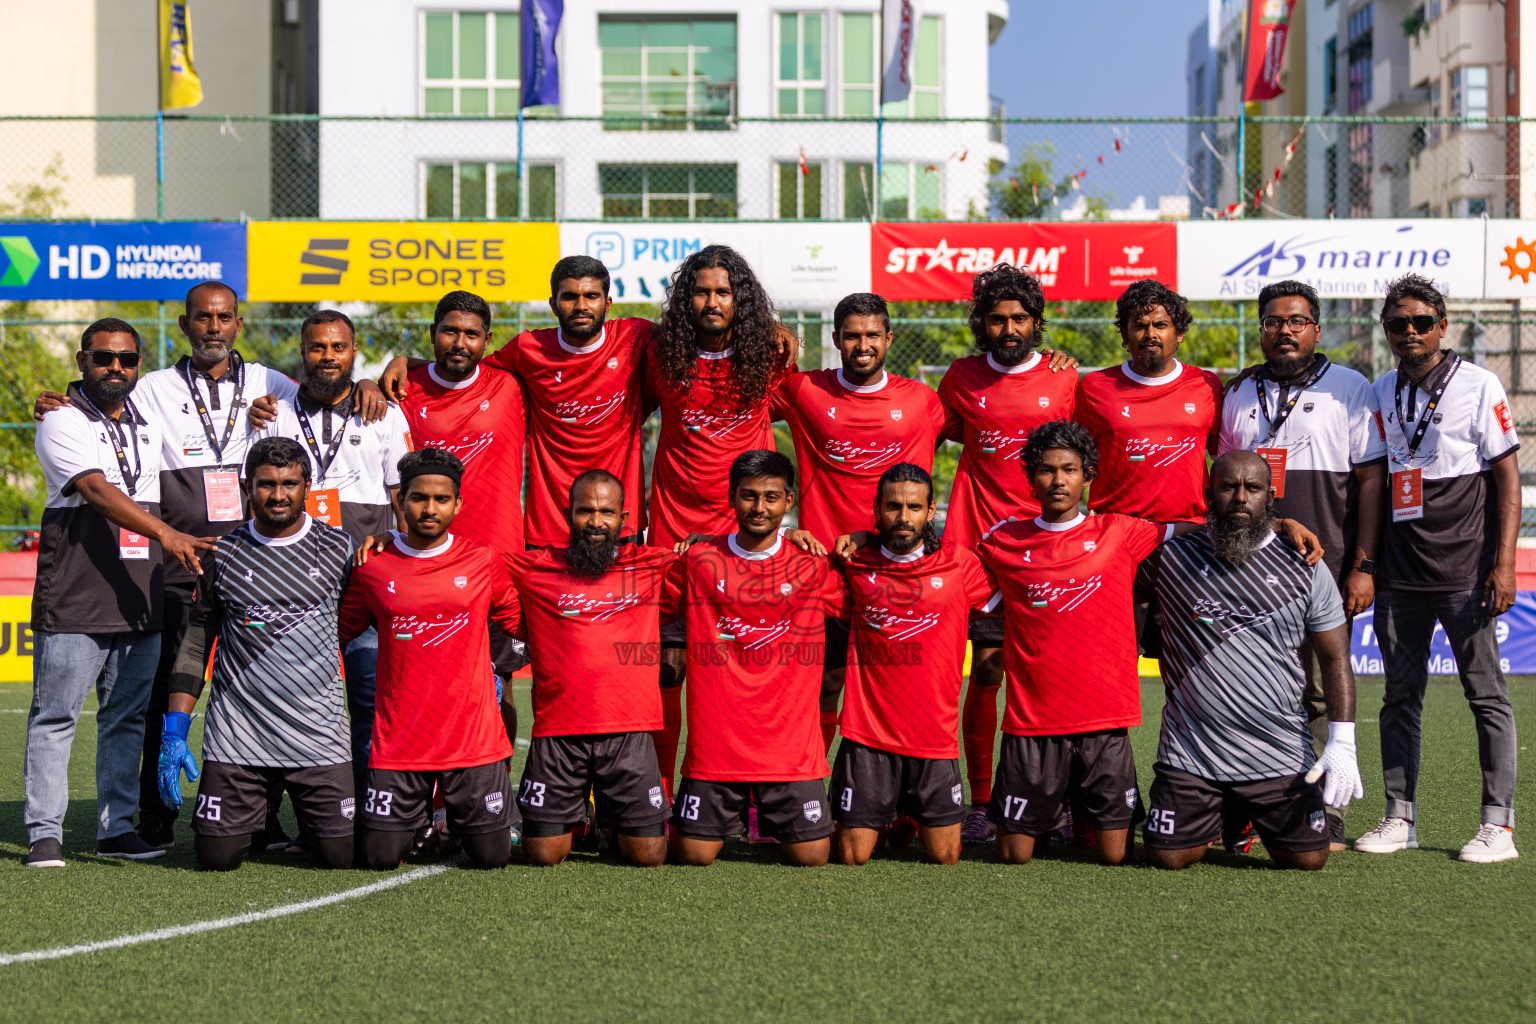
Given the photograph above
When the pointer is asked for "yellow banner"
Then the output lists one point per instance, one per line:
(16, 639)
(403, 261)
(179, 85)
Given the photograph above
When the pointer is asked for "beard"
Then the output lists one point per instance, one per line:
(582, 332)
(1290, 365)
(326, 390)
(1149, 364)
(593, 552)
(275, 519)
(1013, 355)
(1414, 362)
(108, 390)
(905, 543)
(1235, 539)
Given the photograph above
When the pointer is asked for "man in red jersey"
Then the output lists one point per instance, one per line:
(908, 599)
(430, 594)
(755, 606)
(1153, 417)
(716, 355)
(848, 425)
(592, 613)
(994, 400)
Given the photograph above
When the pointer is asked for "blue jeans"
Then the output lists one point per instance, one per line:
(121, 666)
(360, 657)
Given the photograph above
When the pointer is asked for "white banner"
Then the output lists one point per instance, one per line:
(1342, 259)
(898, 46)
(1509, 267)
(802, 265)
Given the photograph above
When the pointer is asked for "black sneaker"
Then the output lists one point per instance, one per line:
(157, 832)
(46, 853)
(127, 846)
(273, 839)
(1336, 840)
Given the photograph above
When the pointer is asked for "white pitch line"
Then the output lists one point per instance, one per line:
(197, 928)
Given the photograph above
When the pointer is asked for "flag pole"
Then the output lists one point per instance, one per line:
(1242, 105)
(160, 349)
(522, 170)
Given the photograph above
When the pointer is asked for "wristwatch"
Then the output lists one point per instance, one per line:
(1367, 566)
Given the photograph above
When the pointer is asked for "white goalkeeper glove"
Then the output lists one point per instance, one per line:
(1341, 765)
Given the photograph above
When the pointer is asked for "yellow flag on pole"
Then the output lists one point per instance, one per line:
(179, 84)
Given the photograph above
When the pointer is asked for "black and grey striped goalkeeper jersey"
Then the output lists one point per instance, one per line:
(278, 699)
(1231, 636)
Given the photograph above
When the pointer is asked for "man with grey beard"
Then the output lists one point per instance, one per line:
(1236, 610)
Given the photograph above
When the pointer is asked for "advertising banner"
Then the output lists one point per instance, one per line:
(15, 639)
(1269, 21)
(806, 266)
(399, 261)
(117, 262)
(1509, 264)
(1342, 259)
(935, 262)
(1515, 629)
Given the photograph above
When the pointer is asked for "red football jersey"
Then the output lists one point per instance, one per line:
(847, 435)
(755, 651)
(703, 430)
(595, 643)
(908, 618)
(1153, 433)
(1069, 633)
(482, 420)
(992, 410)
(584, 412)
(436, 704)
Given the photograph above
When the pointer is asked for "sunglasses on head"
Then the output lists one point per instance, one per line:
(106, 357)
(1422, 324)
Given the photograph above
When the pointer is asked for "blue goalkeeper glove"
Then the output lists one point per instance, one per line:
(498, 686)
(175, 758)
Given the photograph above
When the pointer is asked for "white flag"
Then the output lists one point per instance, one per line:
(898, 47)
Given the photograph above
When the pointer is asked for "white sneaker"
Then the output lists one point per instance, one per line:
(1391, 835)
(1492, 844)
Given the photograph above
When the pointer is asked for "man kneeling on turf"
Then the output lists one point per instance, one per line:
(755, 607)
(1237, 609)
(592, 610)
(268, 595)
(430, 594)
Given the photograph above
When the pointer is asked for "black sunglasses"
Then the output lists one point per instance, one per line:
(106, 357)
(1422, 324)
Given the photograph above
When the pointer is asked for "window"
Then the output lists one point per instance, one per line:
(675, 73)
(907, 191)
(470, 62)
(1476, 206)
(802, 78)
(1199, 94)
(475, 190)
(1435, 110)
(667, 191)
(1331, 75)
(1361, 73)
(1331, 177)
(800, 195)
(861, 69)
(1221, 76)
(1469, 96)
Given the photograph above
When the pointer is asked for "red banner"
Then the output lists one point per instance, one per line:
(1268, 23)
(1074, 262)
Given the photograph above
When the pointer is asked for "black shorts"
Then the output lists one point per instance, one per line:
(1186, 811)
(674, 635)
(232, 799)
(478, 800)
(871, 787)
(791, 812)
(1036, 774)
(619, 768)
(984, 631)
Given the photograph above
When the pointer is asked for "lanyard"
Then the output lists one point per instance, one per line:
(236, 367)
(321, 464)
(1282, 406)
(1434, 399)
(130, 479)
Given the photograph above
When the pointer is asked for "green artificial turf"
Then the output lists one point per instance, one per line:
(1416, 936)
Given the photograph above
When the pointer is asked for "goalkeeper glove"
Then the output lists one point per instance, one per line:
(175, 758)
(1341, 766)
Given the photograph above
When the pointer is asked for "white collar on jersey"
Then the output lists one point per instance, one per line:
(452, 385)
(405, 549)
(587, 349)
(280, 542)
(755, 556)
(1269, 538)
(1027, 365)
(1153, 382)
(1059, 527)
(724, 353)
(910, 556)
(863, 389)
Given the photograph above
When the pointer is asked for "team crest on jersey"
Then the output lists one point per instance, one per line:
(1045, 401)
(812, 810)
(785, 588)
(957, 794)
(1307, 406)
(1272, 579)
(1090, 545)
(349, 808)
(461, 581)
(1189, 407)
(936, 582)
(1130, 797)
(613, 364)
(895, 414)
(1318, 820)
(314, 572)
(493, 802)
(485, 404)
(656, 798)
(355, 439)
